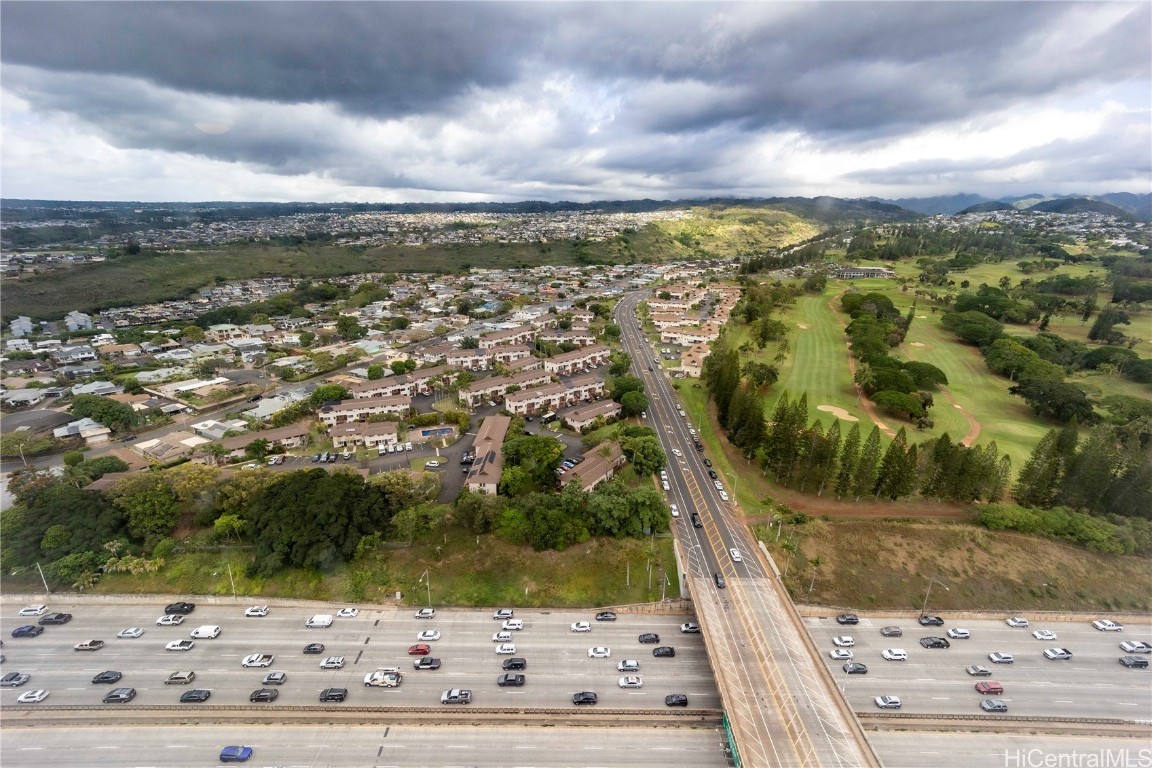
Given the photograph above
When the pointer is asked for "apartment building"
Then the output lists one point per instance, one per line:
(582, 417)
(686, 336)
(470, 359)
(289, 437)
(367, 434)
(599, 466)
(576, 361)
(522, 334)
(484, 476)
(497, 387)
(510, 354)
(552, 397)
(579, 337)
(362, 410)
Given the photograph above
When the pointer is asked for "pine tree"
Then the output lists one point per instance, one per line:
(941, 468)
(893, 468)
(797, 418)
(1089, 474)
(775, 441)
(832, 447)
(814, 454)
(849, 457)
(1003, 476)
(864, 479)
(1039, 478)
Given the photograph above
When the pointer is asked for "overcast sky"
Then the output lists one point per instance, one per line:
(390, 102)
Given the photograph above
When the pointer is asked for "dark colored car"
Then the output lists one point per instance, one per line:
(428, 663)
(333, 694)
(235, 754)
(264, 695)
(891, 632)
(707, 463)
(111, 676)
(990, 687)
(584, 697)
(420, 649)
(28, 630)
(696, 521)
(1134, 662)
(605, 616)
(664, 650)
(314, 648)
(712, 474)
(847, 618)
(119, 695)
(510, 679)
(515, 663)
(930, 621)
(56, 618)
(182, 608)
(649, 637)
(934, 642)
(676, 700)
(719, 579)
(195, 696)
(855, 668)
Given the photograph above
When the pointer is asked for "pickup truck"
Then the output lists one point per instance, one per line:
(383, 677)
(258, 660)
(456, 696)
(89, 645)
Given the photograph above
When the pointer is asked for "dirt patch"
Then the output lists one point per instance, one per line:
(917, 343)
(801, 326)
(838, 412)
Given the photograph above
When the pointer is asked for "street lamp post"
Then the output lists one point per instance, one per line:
(931, 581)
(427, 583)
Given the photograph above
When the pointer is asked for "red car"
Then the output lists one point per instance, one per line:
(990, 687)
(420, 649)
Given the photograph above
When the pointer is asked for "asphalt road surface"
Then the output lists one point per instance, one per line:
(917, 749)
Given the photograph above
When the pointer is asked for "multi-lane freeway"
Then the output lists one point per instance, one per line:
(782, 709)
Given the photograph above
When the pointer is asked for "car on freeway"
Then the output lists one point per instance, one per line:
(180, 678)
(501, 636)
(649, 637)
(1001, 658)
(844, 641)
(1058, 654)
(888, 702)
(735, 555)
(959, 634)
(696, 521)
(1135, 646)
(505, 649)
(895, 654)
(675, 510)
(664, 650)
(332, 662)
(55, 618)
(847, 618)
(195, 696)
(990, 688)
(517, 663)
(690, 628)
(206, 632)
(258, 660)
(110, 676)
(337, 695)
(584, 697)
(428, 635)
(855, 668)
(383, 677)
(419, 649)
(119, 696)
(181, 608)
(89, 645)
(934, 642)
(28, 630)
(348, 613)
(628, 665)
(130, 633)
(274, 678)
(319, 621)
(33, 697)
(238, 754)
(994, 705)
(841, 654)
(930, 621)
(676, 700)
(891, 632)
(509, 678)
(1107, 625)
(180, 645)
(170, 620)
(630, 681)
(1134, 662)
(264, 696)
(978, 671)
(456, 696)
(33, 610)
(582, 626)
(501, 614)
(605, 616)
(313, 648)
(599, 652)
(426, 613)
(1044, 634)
(14, 679)
(677, 452)
(512, 625)
(427, 662)
(256, 611)
(1017, 622)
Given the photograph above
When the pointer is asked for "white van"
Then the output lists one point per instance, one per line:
(320, 620)
(407, 446)
(206, 632)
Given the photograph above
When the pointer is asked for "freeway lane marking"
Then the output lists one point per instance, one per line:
(1061, 701)
(30, 749)
(941, 698)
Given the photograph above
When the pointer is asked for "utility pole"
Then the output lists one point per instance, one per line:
(46, 590)
(231, 581)
(931, 581)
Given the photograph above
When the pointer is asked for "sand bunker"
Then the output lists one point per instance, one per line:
(922, 317)
(838, 412)
(801, 326)
(916, 343)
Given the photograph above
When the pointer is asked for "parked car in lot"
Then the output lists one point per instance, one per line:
(990, 688)
(888, 702)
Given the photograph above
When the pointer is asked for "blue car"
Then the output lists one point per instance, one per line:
(28, 630)
(235, 754)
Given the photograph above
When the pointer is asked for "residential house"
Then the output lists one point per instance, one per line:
(93, 432)
(21, 326)
(77, 321)
(484, 476)
(97, 388)
(599, 466)
(22, 397)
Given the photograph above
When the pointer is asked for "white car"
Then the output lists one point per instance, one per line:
(631, 681)
(888, 702)
(513, 625)
(1001, 658)
(33, 697)
(506, 649)
(257, 611)
(428, 635)
(130, 633)
(348, 613)
(723, 495)
(959, 634)
(170, 620)
(1061, 654)
(840, 654)
(34, 610)
(690, 628)
(426, 613)
(1018, 622)
(332, 662)
(582, 626)
(896, 654)
(180, 645)
(736, 556)
(843, 641)
(718, 485)
(1107, 625)
(675, 510)
(1044, 634)
(599, 652)
(432, 464)
(501, 636)
(206, 632)
(677, 452)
